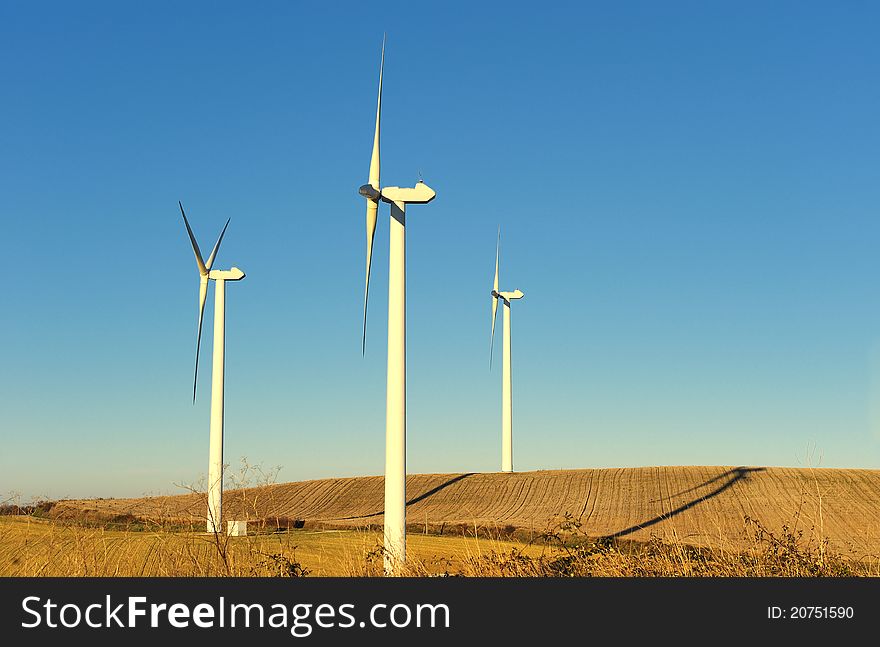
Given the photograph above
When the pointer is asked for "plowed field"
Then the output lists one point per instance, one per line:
(695, 505)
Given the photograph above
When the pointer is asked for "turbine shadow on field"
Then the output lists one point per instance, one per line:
(421, 497)
(733, 475)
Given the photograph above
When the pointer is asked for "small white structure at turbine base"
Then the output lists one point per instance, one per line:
(236, 528)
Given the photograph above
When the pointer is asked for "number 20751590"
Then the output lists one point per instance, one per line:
(810, 612)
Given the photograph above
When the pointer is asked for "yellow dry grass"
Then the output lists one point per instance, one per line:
(39, 547)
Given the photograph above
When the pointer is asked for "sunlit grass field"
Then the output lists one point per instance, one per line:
(32, 546)
(37, 547)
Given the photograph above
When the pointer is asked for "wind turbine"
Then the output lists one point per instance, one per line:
(506, 400)
(215, 449)
(395, 397)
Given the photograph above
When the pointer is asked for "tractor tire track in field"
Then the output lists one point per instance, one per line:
(699, 505)
(589, 480)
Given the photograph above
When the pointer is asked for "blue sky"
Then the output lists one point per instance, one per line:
(688, 194)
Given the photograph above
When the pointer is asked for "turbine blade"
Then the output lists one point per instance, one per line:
(374, 158)
(492, 339)
(203, 295)
(373, 206)
(216, 246)
(372, 216)
(202, 269)
(495, 297)
(497, 255)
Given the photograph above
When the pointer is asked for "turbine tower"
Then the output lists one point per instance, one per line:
(395, 398)
(506, 388)
(215, 449)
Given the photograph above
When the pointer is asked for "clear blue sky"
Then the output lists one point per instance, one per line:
(688, 194)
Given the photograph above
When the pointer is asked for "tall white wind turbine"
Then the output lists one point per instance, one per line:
(506, 388)
(395, 399)
(215, 449)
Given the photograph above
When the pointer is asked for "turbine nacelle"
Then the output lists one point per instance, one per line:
(421, 193)
(233, 274)
(508, 296)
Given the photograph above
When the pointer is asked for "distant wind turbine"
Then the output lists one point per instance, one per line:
(395, 399)
(215, 450)
(506, 388)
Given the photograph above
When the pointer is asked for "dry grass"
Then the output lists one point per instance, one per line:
(39, 547)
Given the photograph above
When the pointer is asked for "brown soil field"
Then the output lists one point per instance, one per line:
(701, 506)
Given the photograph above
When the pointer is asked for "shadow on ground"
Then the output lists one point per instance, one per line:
(733, 476)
